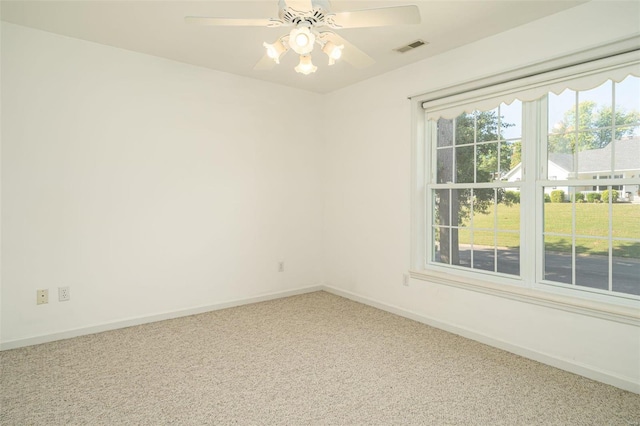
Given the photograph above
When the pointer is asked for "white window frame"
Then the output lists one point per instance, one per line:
(529, 286)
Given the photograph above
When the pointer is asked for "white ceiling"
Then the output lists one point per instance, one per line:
(157, 28)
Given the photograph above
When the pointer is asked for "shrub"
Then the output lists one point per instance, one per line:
(511, 197)
(557, 196)
(547, 198)
(605, 196)
(578, 197)
(593, 196)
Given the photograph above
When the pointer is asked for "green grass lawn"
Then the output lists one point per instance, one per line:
(591, 220)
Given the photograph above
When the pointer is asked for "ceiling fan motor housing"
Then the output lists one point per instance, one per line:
(313, 18)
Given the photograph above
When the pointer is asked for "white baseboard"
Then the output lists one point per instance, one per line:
(561, 363)
(83, 331)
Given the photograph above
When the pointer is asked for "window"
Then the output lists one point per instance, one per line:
(475, 219)
(509, 195)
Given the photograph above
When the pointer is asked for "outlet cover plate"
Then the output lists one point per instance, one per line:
(64, 294)
(42, 296)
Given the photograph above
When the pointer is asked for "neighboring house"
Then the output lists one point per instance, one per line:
(594, 164)
(557, 171)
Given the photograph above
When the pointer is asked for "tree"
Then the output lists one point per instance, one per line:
(594, 128)
(516, 154)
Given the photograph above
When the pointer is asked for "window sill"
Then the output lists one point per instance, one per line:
(610, 312)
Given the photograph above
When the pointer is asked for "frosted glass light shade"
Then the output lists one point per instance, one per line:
(305, 66)
(333, 51)
(275, 50)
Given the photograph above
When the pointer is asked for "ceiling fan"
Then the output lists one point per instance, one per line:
(312, 22)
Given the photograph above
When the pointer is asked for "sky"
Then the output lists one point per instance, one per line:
(627, 95)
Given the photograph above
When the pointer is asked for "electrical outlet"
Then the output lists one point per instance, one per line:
(64, 294)
(280, 266)
(42, 296)
(405, 280)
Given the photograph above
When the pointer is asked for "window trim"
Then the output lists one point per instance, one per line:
(536, 296)
(526, 288)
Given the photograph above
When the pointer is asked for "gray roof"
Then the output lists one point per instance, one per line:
(627, 157)
(563, 160)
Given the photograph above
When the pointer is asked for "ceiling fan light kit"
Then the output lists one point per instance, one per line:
(306, 17)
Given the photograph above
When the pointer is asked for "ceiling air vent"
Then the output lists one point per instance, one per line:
(410, 46)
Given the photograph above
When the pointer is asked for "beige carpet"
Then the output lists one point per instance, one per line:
(310, 359)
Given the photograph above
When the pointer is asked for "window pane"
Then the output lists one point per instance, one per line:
(557, 259)
(594, 154)
(460, 209)
(441, 245)
(465, 126)
(487, 162)
(487, 126)
(464, 164)
(557, 216)
(626, 267)
(594, 107)
(627, 152)
(592, 219)
(445, 165)
(592, 263)
(562, 112)
(510, 157)
(626, 220)
(562, 140)
(511, 119)
(483, 208)
(509, 209)
(464, 247)
(445, 132)
(483, 250)
(561, 165)
(627, 100)
(509, 253)
(441, 208)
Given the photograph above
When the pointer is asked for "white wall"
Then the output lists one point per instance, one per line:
(367, 200)
(147, 186)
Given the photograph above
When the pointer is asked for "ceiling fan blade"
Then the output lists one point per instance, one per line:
(351, 53)
(396, 15)
(266, 63)
(229, 22)
(300, 5)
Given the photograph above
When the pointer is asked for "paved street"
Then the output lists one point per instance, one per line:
(591, 271)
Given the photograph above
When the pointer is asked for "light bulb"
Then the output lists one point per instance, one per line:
(333, 52)
(301, 40)
(305, 66)
(271, 52)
